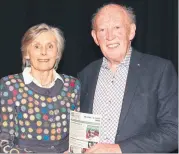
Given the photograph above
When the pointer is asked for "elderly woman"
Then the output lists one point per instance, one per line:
(35, 104)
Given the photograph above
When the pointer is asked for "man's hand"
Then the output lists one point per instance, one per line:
(66, 152)
(104, 148)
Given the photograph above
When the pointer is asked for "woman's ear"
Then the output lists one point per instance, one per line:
(59, 56)
(26, 54)
(26, 57)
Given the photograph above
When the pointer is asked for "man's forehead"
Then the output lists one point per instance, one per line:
(112, 14)
(111, 11)
(112, 8)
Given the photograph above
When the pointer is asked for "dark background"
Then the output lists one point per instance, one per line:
(157, 29)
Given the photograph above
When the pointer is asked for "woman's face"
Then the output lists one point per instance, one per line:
(42, 52)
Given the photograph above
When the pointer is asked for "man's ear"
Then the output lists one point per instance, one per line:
(132, 31)
(93, 33)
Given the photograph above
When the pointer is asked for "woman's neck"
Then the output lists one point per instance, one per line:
(45, 78)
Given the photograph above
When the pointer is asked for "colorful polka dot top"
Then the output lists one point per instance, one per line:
(34, 113)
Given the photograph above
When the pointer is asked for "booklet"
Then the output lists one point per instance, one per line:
(84, 131)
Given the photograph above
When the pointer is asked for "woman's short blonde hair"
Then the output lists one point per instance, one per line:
(33, 32)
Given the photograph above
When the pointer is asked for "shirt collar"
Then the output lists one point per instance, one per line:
(28, 78)
(125, 62)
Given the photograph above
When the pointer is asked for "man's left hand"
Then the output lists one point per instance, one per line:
(104, 148)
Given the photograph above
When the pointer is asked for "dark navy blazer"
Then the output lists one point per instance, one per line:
(149, 115)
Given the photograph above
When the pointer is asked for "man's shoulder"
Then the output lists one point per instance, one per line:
(153, 64)
(148, 58)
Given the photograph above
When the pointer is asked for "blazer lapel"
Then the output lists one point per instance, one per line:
(132, 81)
(93, 77)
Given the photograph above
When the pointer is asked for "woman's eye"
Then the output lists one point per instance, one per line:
(37, 46)
(101, 30)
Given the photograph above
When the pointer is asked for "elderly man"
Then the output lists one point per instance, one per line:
(135, 93)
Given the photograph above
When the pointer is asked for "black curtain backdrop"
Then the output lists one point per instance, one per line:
(157, 29)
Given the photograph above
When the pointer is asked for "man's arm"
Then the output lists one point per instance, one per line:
(164, 138)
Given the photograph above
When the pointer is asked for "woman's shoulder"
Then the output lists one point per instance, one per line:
(12, 78)
(69, 77)
(72, 81)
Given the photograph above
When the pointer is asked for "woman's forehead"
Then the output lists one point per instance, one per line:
(45, 37)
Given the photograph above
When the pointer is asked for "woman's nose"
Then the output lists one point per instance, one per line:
(43, 51)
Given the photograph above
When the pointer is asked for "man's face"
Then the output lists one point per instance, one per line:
(113, 32)
(42, 52)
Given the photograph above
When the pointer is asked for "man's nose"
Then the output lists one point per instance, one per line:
(110, 35)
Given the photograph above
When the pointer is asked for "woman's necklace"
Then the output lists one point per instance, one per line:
(48, 84)
(43, 85)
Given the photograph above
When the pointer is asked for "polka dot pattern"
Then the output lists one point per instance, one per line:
(30, 115)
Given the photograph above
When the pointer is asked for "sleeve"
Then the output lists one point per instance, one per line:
(83, 89)
(7, 117)
(77, 95)
(165, 137)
